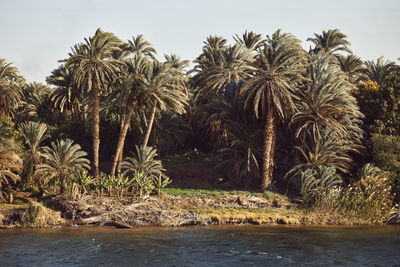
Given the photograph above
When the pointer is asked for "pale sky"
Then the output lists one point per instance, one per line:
(34, 34)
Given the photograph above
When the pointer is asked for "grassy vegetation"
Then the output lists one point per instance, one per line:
(253, 216)
(218, 192)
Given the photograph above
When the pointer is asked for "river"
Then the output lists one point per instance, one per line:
(202, 246)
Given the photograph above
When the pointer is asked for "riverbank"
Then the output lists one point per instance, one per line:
(174, 208)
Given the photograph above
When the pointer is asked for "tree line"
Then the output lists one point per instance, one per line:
(277, 116)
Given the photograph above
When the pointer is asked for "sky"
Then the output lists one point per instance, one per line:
(34, 35)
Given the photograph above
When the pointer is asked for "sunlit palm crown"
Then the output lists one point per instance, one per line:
(281, 64)
(250, 40)
(94, 59)
(165, 85)
(10, 82)
(330, 42)
(326, 102)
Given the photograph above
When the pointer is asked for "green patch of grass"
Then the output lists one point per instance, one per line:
(218, 192)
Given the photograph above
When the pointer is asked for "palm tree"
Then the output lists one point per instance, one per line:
(352, 66)
(270, 92)
(10, 95)
(144, 162)
(330, 42)
(66, 95)
(139, 47)
(128, 94)
(10, 161)
(379, 71)
(94, 70)
(130, 88)
(327, 150)
(36, 103)
(34, 134)
(234, 64)
(326, 103)
(250, 40)
(165, 89)
(62, 159)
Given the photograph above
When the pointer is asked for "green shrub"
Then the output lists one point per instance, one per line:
(161, 182)
(386, 155)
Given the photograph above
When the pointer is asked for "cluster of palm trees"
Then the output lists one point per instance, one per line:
(252, 102)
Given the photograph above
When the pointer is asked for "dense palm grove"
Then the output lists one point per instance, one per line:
(321, 124)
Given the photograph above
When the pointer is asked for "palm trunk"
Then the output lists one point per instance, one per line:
(147, 136)
(62, 185)
(269, 149)
(96, 127)
(121, 139)
(121, 156)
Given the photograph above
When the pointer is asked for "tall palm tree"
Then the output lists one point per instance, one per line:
(95, 69)
(33, 134)
(165, 89)
(130, 88)
(270, 93)
(128, 94)
(331, 42)
(62, 159)
(10, 95)
(380, 70)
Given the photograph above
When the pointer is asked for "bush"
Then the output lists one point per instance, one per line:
(369, 198)
(314, 185)
(386, 155)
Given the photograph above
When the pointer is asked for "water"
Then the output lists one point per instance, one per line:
(202, 246)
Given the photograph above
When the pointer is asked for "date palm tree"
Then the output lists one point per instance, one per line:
(165, 89)
(352, 66)
(62, 159)
(66, 95)
(36, 103)
(326, 103)
(139, 47)
(143, 161)
(33, 134)
(250, 40)
(331, 42)
(95, 69)
(128, 94)
(131, 88)
(380, 70)
(10, 94)
(270, 93)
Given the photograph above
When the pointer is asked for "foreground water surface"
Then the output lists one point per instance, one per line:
(202, 246)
